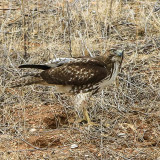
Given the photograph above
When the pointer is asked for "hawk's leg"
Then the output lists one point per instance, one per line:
(81, 103)
(86, 115)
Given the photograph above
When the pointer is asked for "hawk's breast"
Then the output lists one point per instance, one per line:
(110, 79)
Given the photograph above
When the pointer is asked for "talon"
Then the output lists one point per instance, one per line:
(92, 124)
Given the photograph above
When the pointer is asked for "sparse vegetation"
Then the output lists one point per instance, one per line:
(37, 123)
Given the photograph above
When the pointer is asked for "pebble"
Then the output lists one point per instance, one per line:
(74, 146)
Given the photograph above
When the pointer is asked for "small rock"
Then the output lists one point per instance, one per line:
(32, 130)
(122, 135)
(74, 146)
(94, 12)
(86, 155)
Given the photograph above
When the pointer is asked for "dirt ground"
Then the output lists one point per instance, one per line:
(37, 123)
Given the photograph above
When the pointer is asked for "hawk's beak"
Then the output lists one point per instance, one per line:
(119, 53)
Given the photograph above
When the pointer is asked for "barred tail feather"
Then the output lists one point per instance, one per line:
(25, 81)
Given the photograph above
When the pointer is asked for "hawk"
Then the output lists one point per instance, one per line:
(76, 75)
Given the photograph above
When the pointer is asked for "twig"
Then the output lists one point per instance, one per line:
(83, 42)
(117, 33)
(24, 31)
(69, 28)
(23, 150)
(109, 17)
(6, 9)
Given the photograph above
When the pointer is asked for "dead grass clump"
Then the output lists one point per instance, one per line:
(35, 121)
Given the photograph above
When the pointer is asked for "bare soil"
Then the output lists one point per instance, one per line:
(37, 123)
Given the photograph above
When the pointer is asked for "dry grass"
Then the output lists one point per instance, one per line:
(38, 124)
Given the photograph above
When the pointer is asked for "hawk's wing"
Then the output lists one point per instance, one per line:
(77, 71)
(60, 61)
(51, 64)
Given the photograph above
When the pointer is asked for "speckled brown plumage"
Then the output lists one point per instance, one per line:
(76, 75)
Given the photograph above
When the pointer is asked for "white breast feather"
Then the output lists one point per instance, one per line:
(63, 89)
(107, 82)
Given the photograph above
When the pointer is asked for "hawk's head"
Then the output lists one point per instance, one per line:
(115, 56)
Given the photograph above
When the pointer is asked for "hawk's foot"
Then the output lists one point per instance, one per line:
(89, 123)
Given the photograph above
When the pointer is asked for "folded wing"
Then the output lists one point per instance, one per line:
(77, 72)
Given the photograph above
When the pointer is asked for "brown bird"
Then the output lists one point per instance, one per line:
(76, 75)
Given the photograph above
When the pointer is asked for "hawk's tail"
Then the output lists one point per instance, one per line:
(27, 80)
(36, 66)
